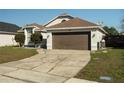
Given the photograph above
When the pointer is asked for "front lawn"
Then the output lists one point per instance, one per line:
(104, 64)
(8, 54)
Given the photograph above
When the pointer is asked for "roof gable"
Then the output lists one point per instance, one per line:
(34, 25)
(58, 19)
(76, 22)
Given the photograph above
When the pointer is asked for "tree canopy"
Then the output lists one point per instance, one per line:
(111, 30)
(122, 25)
(20, 38)
(36, 37)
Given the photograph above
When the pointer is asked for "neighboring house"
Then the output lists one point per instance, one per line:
(32, 28)
(7, 38)
(68, 32)
(121, 33)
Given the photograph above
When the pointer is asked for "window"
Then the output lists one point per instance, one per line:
(29, 30)
(63, 21)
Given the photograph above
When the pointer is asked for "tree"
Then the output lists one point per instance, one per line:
(20, 38)
(36, 38)
(111, 30)
(122, 25)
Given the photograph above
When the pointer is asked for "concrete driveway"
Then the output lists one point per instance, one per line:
(49, 66)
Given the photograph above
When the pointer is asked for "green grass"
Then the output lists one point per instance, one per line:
(8, 54)
(104, 64)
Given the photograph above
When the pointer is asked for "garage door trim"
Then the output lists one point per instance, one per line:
(73, 34)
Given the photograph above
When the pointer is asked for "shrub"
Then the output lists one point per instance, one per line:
(20, 38)
(36, 38)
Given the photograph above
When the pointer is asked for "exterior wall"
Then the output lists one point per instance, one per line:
(44, 34)
(28, 35)
(7, 40)
(96, 37)
(57, 21)
(99, 35)
(49, 40)
(33, 30)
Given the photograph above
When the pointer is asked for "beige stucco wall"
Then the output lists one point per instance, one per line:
(49, 40)
(7, 40)
(27, 37)
(96, 36)
(44, 35)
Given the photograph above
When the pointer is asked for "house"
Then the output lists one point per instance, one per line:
(7, 34)
(68, 32)
(30, 29)
(7, 38)
(121, 33)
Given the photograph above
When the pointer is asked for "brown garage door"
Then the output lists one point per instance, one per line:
(79, 41)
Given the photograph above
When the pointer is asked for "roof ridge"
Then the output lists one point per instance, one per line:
(74, 22)
(34, 24)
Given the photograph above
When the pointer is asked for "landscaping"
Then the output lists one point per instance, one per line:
(8, 54)
(105, 66)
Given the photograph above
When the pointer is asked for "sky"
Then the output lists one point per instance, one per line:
(20, 17)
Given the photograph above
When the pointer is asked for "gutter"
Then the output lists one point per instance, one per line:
(63, 28)
(11, 33)
(69, 28)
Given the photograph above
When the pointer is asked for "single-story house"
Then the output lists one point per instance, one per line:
(68, 32)
(7, 38)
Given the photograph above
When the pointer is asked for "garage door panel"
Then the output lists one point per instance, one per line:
(71, 41)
